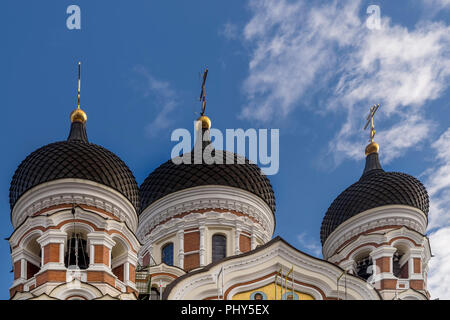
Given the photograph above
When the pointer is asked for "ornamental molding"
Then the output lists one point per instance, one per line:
(394, 237)
(392, 215)
(62, 221)
(410, 294)
(310, 290)
(206, 219)
(77, 192)
(206, 197)
(307, 269)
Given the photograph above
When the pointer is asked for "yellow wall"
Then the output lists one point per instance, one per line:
(269, 290)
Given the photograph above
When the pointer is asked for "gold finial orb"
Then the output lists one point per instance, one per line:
(373, 147)
(78, 115)
(204, 121)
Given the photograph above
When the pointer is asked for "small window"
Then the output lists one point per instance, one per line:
(364, 267)
(76, 255)
(290, 296)
(400, 271)
(167, 254)
(258, 295)
(153, 295)
(219, 247)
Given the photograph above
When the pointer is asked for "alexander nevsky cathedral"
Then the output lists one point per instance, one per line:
(84, 229)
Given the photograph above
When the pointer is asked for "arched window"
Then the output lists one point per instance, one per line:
(219, 247)
(364, 267)
(77, 255)
(400, 268)
(154, 294)
(167, 254)
(33, 248)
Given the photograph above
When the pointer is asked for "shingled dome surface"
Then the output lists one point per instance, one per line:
(74, 158)
(376, 188)
(170, 177)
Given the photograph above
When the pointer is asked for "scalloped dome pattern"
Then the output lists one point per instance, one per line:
(74, 159)
(375, 189)
(169, 178)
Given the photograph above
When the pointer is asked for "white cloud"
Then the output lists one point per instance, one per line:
(438, 183)
(311, 246)
(324, 53)
(229, 31)
(301, 52)
(438, 186)
(439, 273)
(164, 96)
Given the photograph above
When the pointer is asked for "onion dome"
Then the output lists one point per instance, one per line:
(375, 188)
(74, 158)
(171, 177)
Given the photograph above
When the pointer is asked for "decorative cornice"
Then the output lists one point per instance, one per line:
(77, 192)
(60, 221)
(392, 215)
(212, 218)
(389, 236)
(264, 260)
(206, 197)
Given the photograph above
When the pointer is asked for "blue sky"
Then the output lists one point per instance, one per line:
(310, 70)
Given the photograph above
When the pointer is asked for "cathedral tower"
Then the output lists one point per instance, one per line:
(196, 213)
(74, 212)
(376, 229)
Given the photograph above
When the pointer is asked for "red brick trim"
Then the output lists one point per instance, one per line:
(245, 243)
(417, 284)
(67, 206)
(101, 276)
(110, 232)
(376, 245)
(417, 265)
(17, 269)
(265, 277)
(101, 254)
(363, 233)
(201, 211)
(157, 274)
(50, 276)
(18, 288)
(51, 253)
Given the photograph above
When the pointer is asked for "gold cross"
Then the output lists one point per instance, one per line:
(79, 83)
(373, 109)
(203, 93)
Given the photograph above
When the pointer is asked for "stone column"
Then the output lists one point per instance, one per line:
(349, 266)
(415, 263)
(180, 235)
(253, 241)
(126, 272)
(61, 253)
(202, 249)
(237, 236)
(23, 269)
(51, 243)
(383, 276)
(100, 246)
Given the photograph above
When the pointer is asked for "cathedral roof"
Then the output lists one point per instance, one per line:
(171, 177)
(74, 158)
(375, 188)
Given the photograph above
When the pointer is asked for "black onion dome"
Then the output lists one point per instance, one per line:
(170, 177)
(374, 189)
(74, 158)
